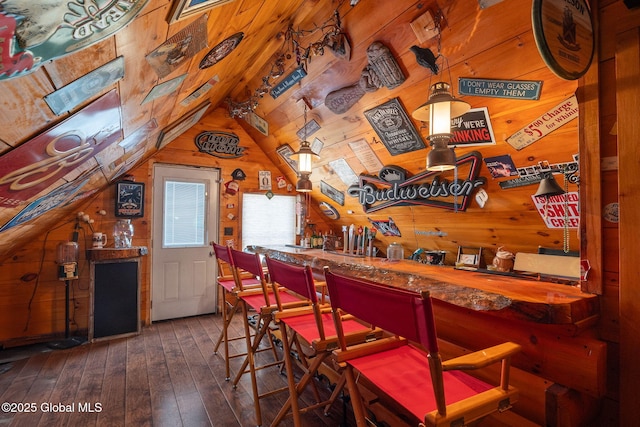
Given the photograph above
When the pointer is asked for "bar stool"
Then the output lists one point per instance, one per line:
(227, 282)
(407, 367)
(310, 329)
(264, 301)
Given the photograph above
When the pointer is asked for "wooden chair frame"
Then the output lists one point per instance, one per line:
(312, 351)
(408, 317)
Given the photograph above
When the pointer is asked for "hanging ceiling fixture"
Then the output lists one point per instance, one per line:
(304, 156)
(438, 112)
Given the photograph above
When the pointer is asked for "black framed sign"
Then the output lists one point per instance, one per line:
(129, 199)
(564, 35)
(394, 128)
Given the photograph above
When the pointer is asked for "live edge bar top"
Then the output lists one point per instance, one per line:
(499, 295)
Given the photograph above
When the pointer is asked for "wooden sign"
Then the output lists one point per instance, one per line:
(393, 188)
(472, 128)
(70, 96)
(288, 82)
(394, 128)
(553, 119)
(219, 144)
(332, 193)
(258, 123)
(64, 149)
(366, 155)
(56, 28)
(511, 89)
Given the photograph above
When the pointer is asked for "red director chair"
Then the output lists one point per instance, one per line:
(406, 366)
(311, 330)
(264, 301)
(227, 283)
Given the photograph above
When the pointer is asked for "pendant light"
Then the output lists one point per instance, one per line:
(304, 156)
(438, 111)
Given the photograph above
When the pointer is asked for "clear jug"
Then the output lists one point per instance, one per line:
(123, 233)
(395, 251)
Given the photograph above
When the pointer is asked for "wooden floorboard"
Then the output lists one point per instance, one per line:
(166, 376)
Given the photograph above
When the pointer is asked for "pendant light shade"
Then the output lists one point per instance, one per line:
(549, 187)
(304, 156)
(441, 157)
(304, 184)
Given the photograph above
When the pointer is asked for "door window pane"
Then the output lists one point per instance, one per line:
(184, 214)
(268, 221)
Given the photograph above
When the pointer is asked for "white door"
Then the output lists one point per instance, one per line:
(185, 219)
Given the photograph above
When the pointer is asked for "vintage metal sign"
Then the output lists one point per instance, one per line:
(556, 209)
(392, 188)
(308, 129)
(29, 37)
(472, 128)
(45, 203)
(288, 82)
(179, 48)
(553, 119)
(39, 163)
(220, 144)
(70, 96)
(394, 128)
(332, 193)
(511, 89)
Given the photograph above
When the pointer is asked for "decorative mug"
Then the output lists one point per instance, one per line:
(99, 240)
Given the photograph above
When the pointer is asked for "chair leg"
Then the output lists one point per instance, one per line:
(228, 310)
(356, 400)
(250, 361)
(291, 401)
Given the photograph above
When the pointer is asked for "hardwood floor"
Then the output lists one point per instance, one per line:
(166, 376)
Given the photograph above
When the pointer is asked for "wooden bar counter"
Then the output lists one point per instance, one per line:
(561, 369)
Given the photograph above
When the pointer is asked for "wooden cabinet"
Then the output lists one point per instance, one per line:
(114, 292)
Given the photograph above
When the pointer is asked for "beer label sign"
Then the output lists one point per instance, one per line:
(220, 144)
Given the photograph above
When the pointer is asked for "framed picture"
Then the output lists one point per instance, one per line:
(129, 199)
(186, 8)
(285, 151)
(181, 125)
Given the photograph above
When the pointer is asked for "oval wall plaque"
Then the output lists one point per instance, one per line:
(329, 210)
(563, 31)
(221, 50)
(219, 144)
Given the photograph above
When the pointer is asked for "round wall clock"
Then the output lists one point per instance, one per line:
(221, 50)
(563, 31)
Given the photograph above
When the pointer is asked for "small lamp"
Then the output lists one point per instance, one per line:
(438, 112)
(304, 156)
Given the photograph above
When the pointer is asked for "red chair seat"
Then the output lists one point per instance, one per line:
(256, 301)
(307, 328)
(411, 386)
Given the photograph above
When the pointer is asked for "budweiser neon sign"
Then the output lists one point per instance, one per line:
(392, 187)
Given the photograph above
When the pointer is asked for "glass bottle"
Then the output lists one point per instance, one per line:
(395, 251)
(123, 233)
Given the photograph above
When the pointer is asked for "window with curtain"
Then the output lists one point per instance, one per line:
(268, 221)
(184, 214)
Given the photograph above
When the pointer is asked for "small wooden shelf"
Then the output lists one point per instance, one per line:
(100, 254)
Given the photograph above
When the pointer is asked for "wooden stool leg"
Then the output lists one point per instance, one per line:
(356, 400)
(251, 363)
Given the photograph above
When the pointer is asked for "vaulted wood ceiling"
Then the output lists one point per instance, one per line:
(492, 42)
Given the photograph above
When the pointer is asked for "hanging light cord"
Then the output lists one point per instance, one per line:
(565, 247)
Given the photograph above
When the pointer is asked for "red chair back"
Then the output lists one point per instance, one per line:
(247, 262)
(298, 279)
(401, 312)
(222, 253)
